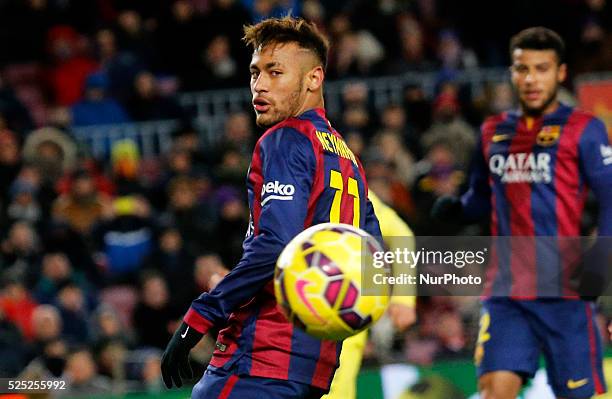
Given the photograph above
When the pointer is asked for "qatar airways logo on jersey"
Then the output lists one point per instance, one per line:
(276, 191)
(521, 167)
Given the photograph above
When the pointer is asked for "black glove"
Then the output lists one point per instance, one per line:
(447, 209)
(175, 360)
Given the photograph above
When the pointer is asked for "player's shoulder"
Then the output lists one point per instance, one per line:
(584, 125)
(585, 117)
(491, 122)
(300, 130)
(504, 123)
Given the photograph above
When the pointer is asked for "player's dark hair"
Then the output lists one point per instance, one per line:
(539, 38)
(288, 30)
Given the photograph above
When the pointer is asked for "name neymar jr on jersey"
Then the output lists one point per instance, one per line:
(336, 145)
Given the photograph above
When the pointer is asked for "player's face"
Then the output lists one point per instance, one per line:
(536, 75)
(277, 82)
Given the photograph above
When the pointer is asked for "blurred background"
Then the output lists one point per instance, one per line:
(126, 132)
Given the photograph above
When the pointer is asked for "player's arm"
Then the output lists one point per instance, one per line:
(595, 154)
(287, 159)
(475, 204)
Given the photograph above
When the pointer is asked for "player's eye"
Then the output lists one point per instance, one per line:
(254, 74)
(520, 69)
(275, 73)
(543, 68)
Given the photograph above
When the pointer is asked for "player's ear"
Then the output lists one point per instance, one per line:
(562, 73)
(314, 78)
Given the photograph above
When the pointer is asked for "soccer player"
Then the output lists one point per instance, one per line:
(302, 173)
(530, 173)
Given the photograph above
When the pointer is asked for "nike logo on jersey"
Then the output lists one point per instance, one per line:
(571, 384)
(183, 335)
(500, 137)
(278, 191)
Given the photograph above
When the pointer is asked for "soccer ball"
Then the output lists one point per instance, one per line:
(317, 281)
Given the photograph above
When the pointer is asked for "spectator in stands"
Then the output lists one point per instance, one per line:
(46, 324)
(134, 36)
(188, 139)
(95, 169)
(20, 253)
(13, 113)
(180, 40)
(356, 114)
(217, 69)
(389, 146)
(450, 128)
(111, 356)
(49, 363)
(17, 305)
(153, 314)
(228, 17)
(393, 120)
(178, 162)
(355, 141)
(232, 222)
(440, 332)
(151, 373)
(73, 311)
(120, 66)
(232, 168)
(146, 103)
(10, 163)
(107, 326)
(13, 352)
(172, 260)
(418, 111)
(439, 174)
(59, 237)
(96, 107)
(26, 24)
(209, 270)
(23, 205)
(52, 152)
(413, 53)
(56, 269)
(187, 214)
(238, 134)
(451, 54)
(126, 238)
(81, 375)
(83, 206)
(384, 182)
(126, 165)
(356, 53)
(70, 67)
(501, 98)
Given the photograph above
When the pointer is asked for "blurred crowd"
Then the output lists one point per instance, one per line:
(99, 258)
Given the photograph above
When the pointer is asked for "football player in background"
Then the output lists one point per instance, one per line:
(530, 174)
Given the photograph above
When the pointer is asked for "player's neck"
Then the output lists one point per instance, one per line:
(549, 109)
(311, 102)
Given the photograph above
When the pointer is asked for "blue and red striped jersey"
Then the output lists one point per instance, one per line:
(299, 167)
(531, 175)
